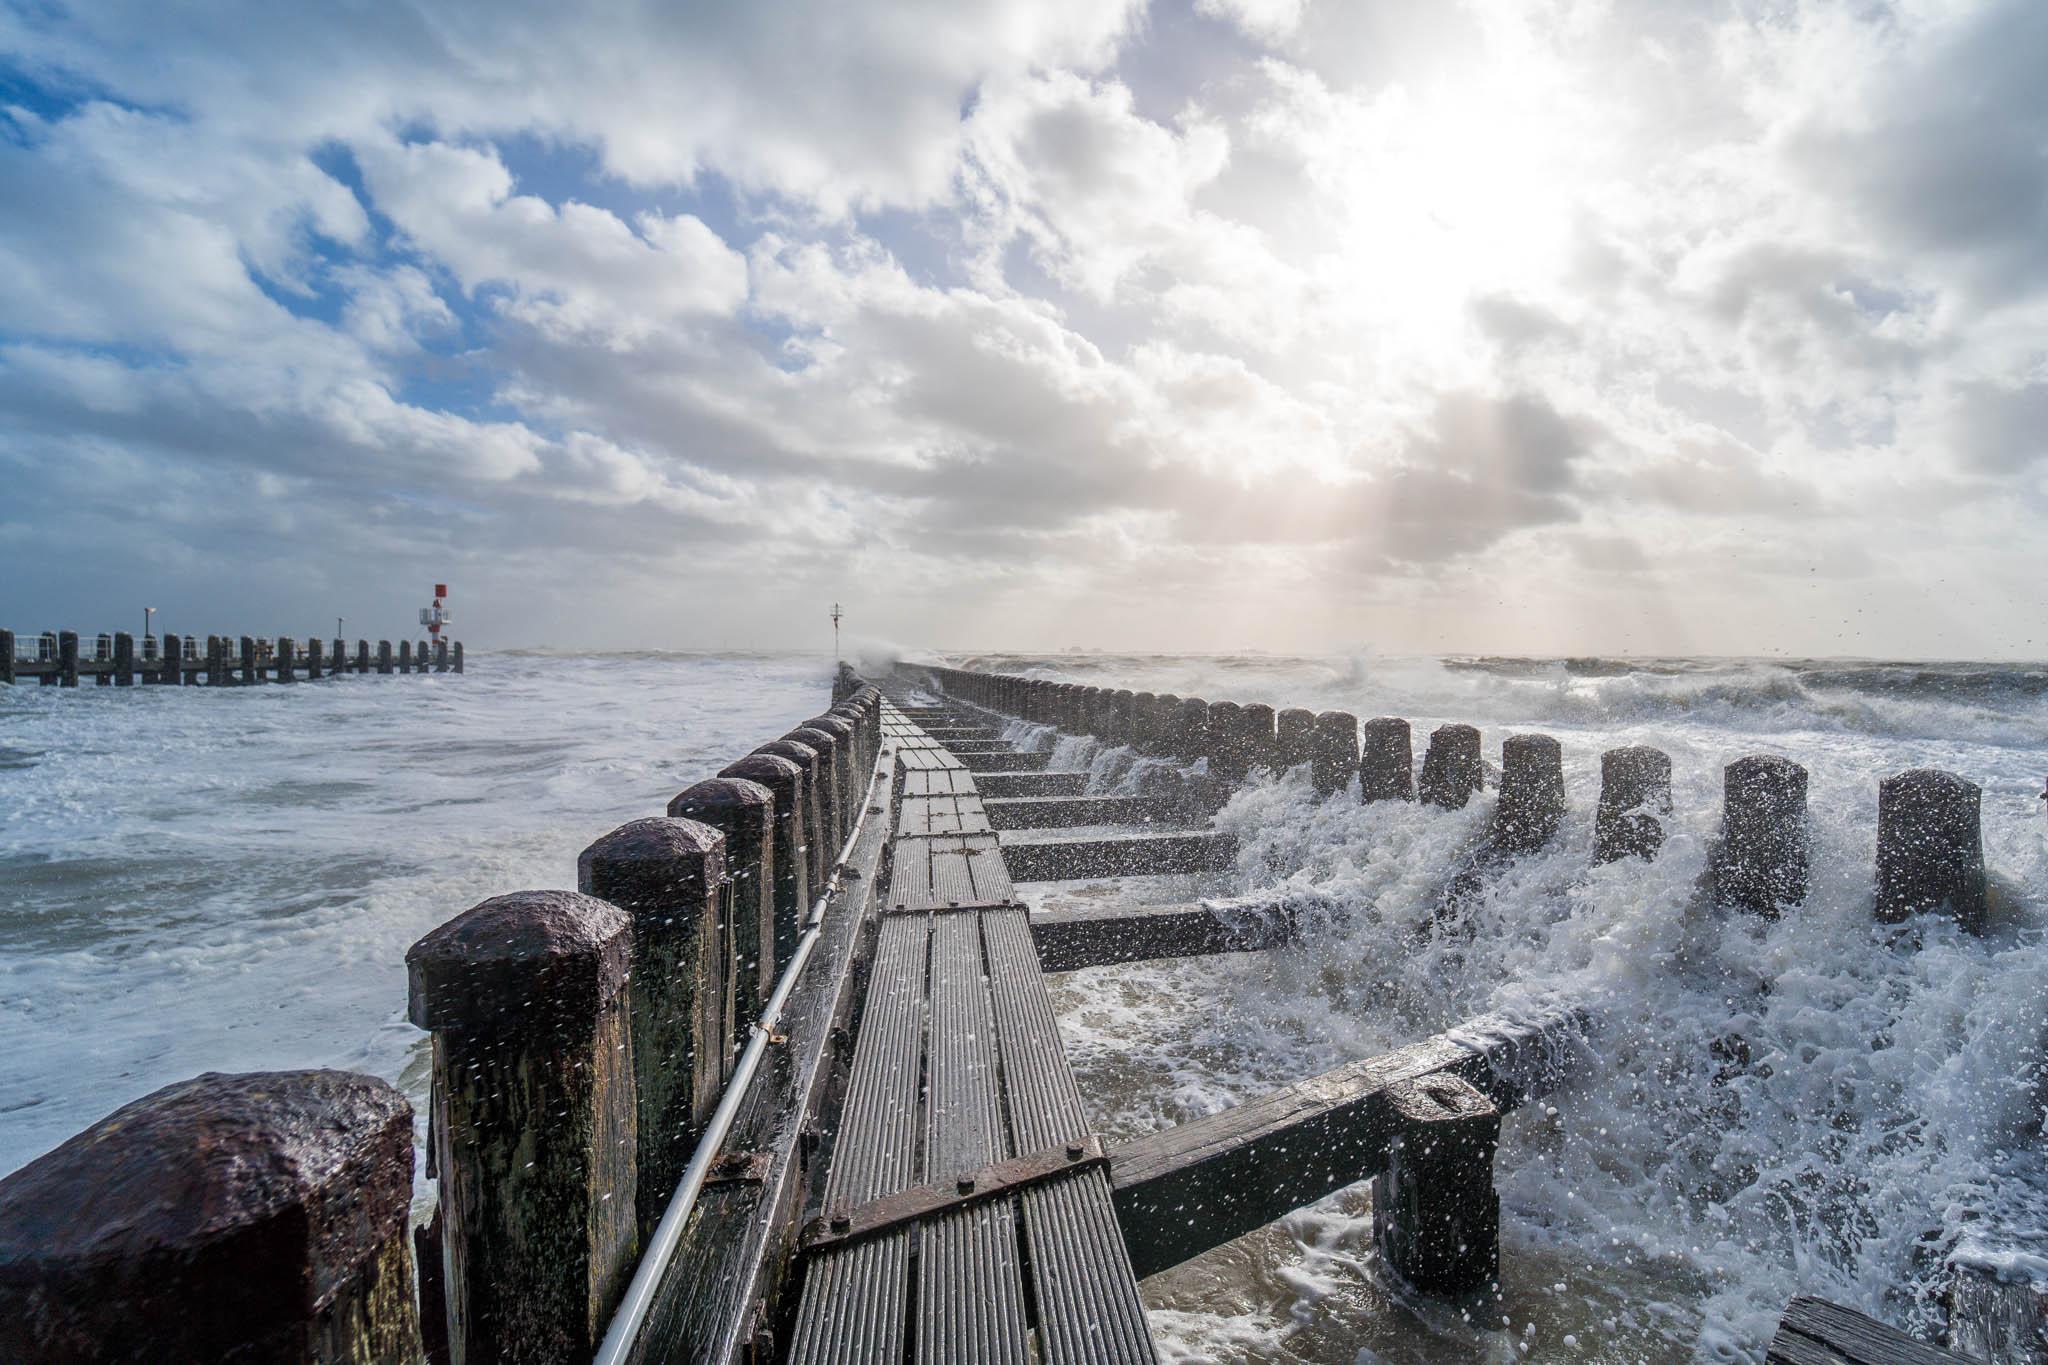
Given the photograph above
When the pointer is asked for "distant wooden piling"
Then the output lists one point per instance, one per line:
(255, 1217)
(455, 657)
(67, 657)
(1635, 801)
(251, 670)
(124, 660)
(287, 647)
(1227, 762)
(1192, 741)
(6, 656)
(405, 656)
(835, 763)
(1451, 768)
(1930, 848)
(103, 653)
(440, 656)
(1260, 738)
(853, 781)
(1436, 1218)
(1759, 865)
(791, 884)
(314, 660)
(384, 664)
(744, 812)
(1293, 737)
(1386, 761)
(1531, 805)
(1333, 752)
(533, 1123)
(171, 669)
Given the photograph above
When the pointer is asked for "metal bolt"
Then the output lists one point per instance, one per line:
(1074, 1150)
(840, 1222)
(965, 1184)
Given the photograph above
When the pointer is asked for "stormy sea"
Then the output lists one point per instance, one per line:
(197, 880)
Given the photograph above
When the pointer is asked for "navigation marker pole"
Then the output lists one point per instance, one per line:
(835, 632)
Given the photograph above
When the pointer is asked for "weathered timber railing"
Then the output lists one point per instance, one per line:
(56, 658)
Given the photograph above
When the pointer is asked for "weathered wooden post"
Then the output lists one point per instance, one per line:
(1293, 737)
(1142, 722)
(46, 653)
(216, 661)
(744, 812)
(455, 663)
(1261, 739)
(817, 797)
(313, 659)
(362, 656)
(1435, 1216)
(124, 659)
(1386, 761)
(440, 655)
(337, 662)
(1451, 769)
(1333, 752)
(383, 656)
(1227, 762)
(1930, 847)
(103, 656)
(286, 648)
(172, 669)
(791, 885)
(836, 765)
(533, 1120)
(67, 657)
(1635, 800)
(405, 656)
(6, 656)
(251, 670)
(1531, 806)
(257, 1217)
(419, 656)
(1760, 863)
(1192, 741)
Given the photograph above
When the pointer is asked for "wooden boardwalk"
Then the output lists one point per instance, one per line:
(959, 1067)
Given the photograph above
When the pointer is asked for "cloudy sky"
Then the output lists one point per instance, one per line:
(1540, 326)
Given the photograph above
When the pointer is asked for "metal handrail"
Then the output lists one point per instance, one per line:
(668, 1233)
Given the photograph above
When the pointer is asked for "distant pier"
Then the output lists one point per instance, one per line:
(61, 658)
(781, 1080)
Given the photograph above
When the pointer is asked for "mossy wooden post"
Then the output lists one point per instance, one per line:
(1760, 863)
(1451, 768)
(1386, 760)
(1930, 847)
(255, 1217)
(455, 660)
(832, 758)
(251, 670)
(744, 812)
(1192, 741)
(1531, 806)
(1260, 729)
(286, 648)
(669, 876)
(791, 882)
(1293, 732)
(67, 657)
(124, 659)
(533, 1122)
(1333, 752)
(820, 851)
(1635, 801)
(1435, 1216)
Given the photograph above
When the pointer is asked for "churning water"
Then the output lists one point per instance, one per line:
(195, 880)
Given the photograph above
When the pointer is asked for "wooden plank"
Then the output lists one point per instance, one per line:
(925, 760)
(1062, 812)
(1048, 860)
(941, 872)
(938, 782)
(970, 1292)
(1004, 762)
(1069, 940)
(1087, 1297)
(1186, 1189)
(1816, 1332)
(975, 746)
(994, 785)
(856, 1297)
(734, 1255)
(952, 813)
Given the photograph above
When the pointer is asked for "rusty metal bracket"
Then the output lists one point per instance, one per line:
(735, 1168)
(840, 1226)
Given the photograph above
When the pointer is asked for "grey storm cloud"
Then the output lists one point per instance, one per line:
(687, 314)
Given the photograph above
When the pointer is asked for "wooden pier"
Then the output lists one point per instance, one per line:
(782, 1080)
(59, 658)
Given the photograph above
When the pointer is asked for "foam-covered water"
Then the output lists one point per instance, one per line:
(1807, 1106)
(195, 879)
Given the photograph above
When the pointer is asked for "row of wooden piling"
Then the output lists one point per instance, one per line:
(580, 1043)
(227, 661)
(1930, 853)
